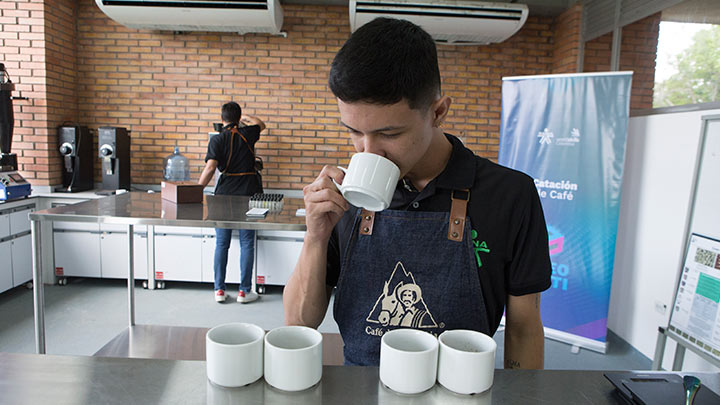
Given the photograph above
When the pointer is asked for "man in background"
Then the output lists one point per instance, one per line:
(233, 153)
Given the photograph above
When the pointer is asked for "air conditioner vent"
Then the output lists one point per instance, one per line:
(448, 21)
(241, 16)
(232, 4)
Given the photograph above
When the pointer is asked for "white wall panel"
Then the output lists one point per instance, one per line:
(660, 162)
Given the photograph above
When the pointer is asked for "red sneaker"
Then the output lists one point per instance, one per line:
(219, 296)
(245, 297)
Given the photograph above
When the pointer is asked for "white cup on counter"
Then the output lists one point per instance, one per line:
(435, 395)
(293, 358)
(369, 181)
(234, 354)
(466, 363)
(408, 360)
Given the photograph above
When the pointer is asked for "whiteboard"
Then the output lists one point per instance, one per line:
(696, 311)
(705, 218)
(695, 315)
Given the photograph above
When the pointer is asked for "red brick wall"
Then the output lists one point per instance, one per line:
(638, 51)
(60, 56)
(22, 50)
(167, 88)
(472, 77)
(566, 44)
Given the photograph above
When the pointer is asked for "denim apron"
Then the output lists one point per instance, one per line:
(405, 269)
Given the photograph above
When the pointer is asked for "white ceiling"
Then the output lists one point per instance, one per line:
(694, 11)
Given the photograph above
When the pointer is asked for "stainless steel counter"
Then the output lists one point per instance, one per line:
(140, 208)
(30, 378)
(137, 208)
(188, 343)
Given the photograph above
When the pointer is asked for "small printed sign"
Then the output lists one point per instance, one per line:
(59, 271)
(158, 275)
(261, 279)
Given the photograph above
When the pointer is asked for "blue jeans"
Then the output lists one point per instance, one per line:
(247, 253)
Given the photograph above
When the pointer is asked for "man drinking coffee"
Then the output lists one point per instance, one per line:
(468, 235)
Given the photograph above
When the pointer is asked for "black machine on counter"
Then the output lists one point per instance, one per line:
(12, 184)
(76, 148)
(114, 151)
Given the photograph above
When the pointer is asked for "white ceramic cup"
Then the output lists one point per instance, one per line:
(369, 181)
(234, 354)
(435, 395)
(408, 360)
(467, 361)
(293, 358)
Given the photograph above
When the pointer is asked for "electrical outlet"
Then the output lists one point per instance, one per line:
(660, 308)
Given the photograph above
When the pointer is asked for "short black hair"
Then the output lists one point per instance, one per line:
(231, 112)
(385, 61)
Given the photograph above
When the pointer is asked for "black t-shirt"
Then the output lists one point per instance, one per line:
(242, 161)
(510, 236)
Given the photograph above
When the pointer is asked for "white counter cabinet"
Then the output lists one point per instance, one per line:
(6, 273)
(178, 254)
(15, 243)
(277, 254)
(4, 225)
(113, 251)
(99, 250)
(188, 254)
(21, 259)
(77, 249)
(15, 262)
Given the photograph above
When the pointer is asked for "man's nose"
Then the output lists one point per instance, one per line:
(371, 145)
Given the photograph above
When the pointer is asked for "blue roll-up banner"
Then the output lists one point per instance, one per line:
(568, 132)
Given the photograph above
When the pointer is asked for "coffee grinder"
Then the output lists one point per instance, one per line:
(114, 151)
(76, 149)
(12, 184)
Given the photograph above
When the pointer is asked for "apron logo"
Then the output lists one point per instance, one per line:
(479, 247)
(401, 303)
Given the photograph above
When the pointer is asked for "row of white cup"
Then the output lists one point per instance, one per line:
(289, 357)
(462, 361)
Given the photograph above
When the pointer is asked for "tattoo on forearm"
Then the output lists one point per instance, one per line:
(512, 363)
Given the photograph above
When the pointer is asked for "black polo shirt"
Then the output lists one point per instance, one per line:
(242, 161)
(510, 240)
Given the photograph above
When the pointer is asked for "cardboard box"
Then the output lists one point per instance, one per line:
(181, 192)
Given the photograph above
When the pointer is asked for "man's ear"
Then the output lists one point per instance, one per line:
(439, 110)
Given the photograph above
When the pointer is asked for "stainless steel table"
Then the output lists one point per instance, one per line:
(138, 208)
(32, 378)
(188, 343)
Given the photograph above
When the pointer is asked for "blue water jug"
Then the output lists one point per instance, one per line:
(176, 167)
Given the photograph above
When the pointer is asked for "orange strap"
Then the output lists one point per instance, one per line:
(366, 222)
(456, 227)
(240, 174)
(458, 211)
(227, 164)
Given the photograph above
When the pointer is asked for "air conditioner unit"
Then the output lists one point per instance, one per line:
(241, 16)
(448, 21)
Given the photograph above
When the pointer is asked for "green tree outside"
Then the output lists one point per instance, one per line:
(698, 73)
